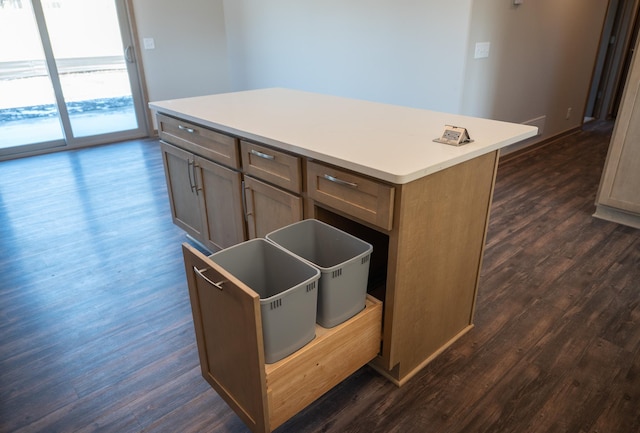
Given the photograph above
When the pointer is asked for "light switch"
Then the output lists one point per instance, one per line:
(149, 43)
(482, 50)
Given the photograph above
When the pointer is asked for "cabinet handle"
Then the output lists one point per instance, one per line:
(196, 188)
(207, 279)
(187, 129)
(340, 181)
(262, 155)
(244, 202)
(191, 173)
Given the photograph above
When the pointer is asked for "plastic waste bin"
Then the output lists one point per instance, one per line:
(343, 261)
(287, 287)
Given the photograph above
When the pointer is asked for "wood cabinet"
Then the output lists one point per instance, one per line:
(222, 204)
(272, 187)
(425, 268)
(363, 198)
(618, 198)
(205, 196)
(373, 171)
(269, 208)
(228, 327)
(218, 206)
(186, 205)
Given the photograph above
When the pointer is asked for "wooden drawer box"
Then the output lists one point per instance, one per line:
(228, 326)
(197, 139)
(358, 196)
(273, 166)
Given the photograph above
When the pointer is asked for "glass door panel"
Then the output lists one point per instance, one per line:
(88, 51)
(28, 111)
(68, 75)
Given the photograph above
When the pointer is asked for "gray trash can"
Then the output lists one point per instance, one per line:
(287, 287)
(343, 261)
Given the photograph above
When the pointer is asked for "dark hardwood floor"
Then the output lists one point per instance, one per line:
(96, 331)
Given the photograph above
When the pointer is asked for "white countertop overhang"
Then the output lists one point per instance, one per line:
(388, 142)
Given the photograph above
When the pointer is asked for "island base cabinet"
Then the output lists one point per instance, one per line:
(228, 328)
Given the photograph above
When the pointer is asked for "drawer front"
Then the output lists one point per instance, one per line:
(358, 196)
(199, 140)
(271, 165)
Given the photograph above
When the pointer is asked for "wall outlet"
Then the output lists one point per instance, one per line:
(482, 50)
(568, 113)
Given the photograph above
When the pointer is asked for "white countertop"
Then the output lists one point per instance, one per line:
(388, 142)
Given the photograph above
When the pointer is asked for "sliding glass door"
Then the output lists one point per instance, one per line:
(67, 75)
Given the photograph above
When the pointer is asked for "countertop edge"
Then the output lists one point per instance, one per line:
(392, 178)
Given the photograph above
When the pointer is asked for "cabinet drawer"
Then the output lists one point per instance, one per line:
(271, 165)
(199, 140)
(228, 327)
(356, 195)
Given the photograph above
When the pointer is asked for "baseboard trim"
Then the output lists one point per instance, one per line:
(537, 146)
(617, 216)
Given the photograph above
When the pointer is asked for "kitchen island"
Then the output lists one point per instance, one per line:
(240, 165)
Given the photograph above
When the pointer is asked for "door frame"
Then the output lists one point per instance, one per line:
(614, 55)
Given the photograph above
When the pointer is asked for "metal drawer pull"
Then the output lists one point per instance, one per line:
(340, 181)
(200, 272)
(262, 155)
(184, 128)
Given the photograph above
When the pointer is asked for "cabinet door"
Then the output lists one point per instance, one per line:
(222, 211)
(269, 208)
(186, 204)
(228, 327)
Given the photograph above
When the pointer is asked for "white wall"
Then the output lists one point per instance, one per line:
(540, 64)
(190, 56)
(420, 53)
(416, 53)
(408, 52)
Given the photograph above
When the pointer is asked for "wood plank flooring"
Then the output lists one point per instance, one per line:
(96, 331)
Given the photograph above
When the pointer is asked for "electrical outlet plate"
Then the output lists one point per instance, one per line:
(482, 50)
(454, 136)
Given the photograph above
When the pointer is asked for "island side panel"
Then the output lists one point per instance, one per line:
(435, 256)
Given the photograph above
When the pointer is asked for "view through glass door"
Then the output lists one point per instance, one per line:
(68, 75)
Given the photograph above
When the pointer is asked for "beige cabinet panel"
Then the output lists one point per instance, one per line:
(360, 197)
(213, 145)
(222, 210)
(619, 195)
(228, 328)
(273, 166)
(269, 208)
(185, 204)
(623, 186)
